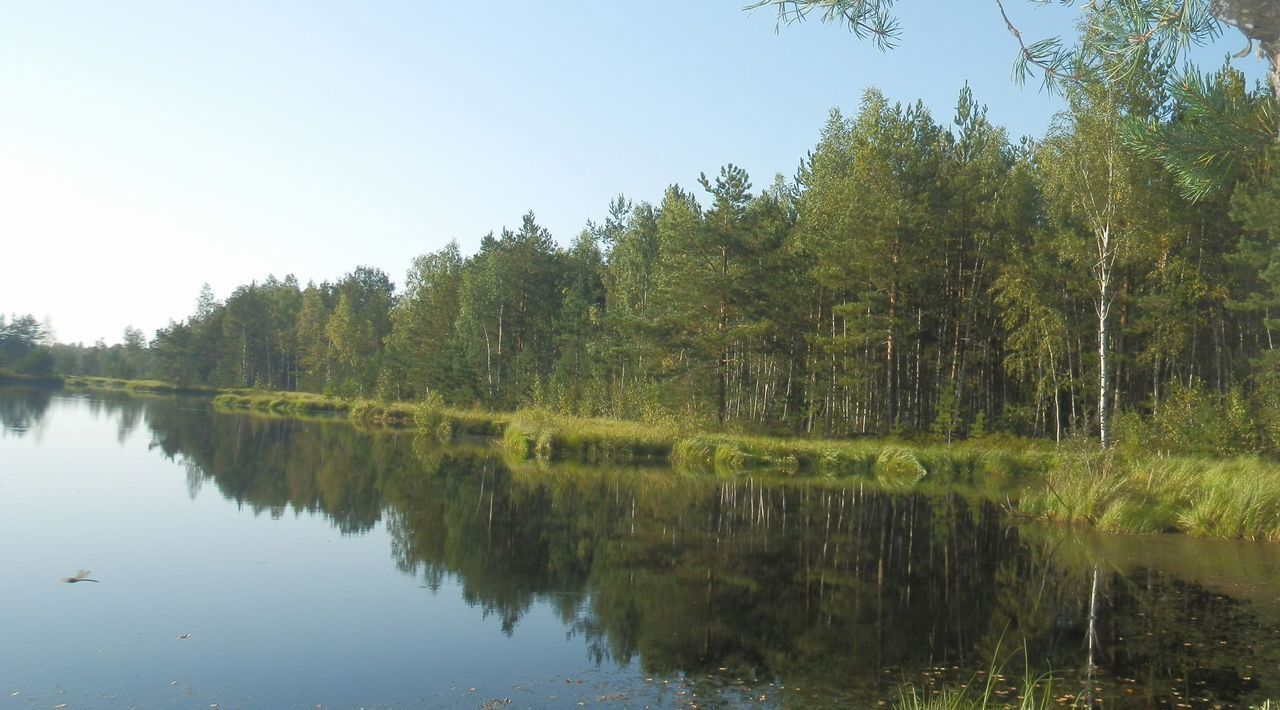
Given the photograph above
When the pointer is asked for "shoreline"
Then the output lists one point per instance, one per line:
(1076, 483)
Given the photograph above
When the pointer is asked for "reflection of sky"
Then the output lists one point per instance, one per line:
(281, 612)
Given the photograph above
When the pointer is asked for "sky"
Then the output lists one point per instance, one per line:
(149, 147)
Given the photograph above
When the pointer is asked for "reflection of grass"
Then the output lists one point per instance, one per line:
(1229, 498)
(891, 465)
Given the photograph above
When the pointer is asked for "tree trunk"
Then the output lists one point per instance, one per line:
(1104, 382)
(890, 362)
(721, 327)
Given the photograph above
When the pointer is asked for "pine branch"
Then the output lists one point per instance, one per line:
(865, 18)
(1219, 129)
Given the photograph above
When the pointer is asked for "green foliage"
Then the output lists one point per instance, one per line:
(1196, 421)
(1219, 133)
(24, 348)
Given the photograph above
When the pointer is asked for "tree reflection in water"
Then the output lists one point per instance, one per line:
(825, 586)
(22, 409)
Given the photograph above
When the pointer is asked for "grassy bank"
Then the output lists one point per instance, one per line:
(1234, 498)
(285, 403)
(441, 421)
(1228, 498)
(114, 384)
(1115, 491)
(890, 465)
(545, 435)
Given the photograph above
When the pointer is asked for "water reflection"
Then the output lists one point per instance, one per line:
(740, 582)
(22, 409)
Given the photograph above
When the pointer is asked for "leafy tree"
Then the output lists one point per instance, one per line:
(24, 345)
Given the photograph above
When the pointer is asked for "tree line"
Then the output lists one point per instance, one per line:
(912, 277)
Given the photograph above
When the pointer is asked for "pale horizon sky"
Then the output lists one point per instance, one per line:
(147, 148)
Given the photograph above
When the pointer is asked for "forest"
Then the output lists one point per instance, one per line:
(915, 276)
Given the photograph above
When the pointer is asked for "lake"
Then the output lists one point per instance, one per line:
(247, 561)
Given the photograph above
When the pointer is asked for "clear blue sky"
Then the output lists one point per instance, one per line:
(148, 147)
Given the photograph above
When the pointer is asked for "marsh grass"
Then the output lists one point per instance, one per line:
(116, 384)
(444, 423)
(434, 419)
(1228, 498)
(888, 464)
(538, 433)
(282, 402)
(369, 412)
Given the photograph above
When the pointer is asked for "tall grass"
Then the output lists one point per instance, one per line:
(989, 689)
(370, 412)
(537, 433)
(434, 419)
(1228, 498)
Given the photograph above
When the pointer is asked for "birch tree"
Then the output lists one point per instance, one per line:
(1089, 182)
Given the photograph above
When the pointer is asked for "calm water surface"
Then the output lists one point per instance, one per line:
(252, 562)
